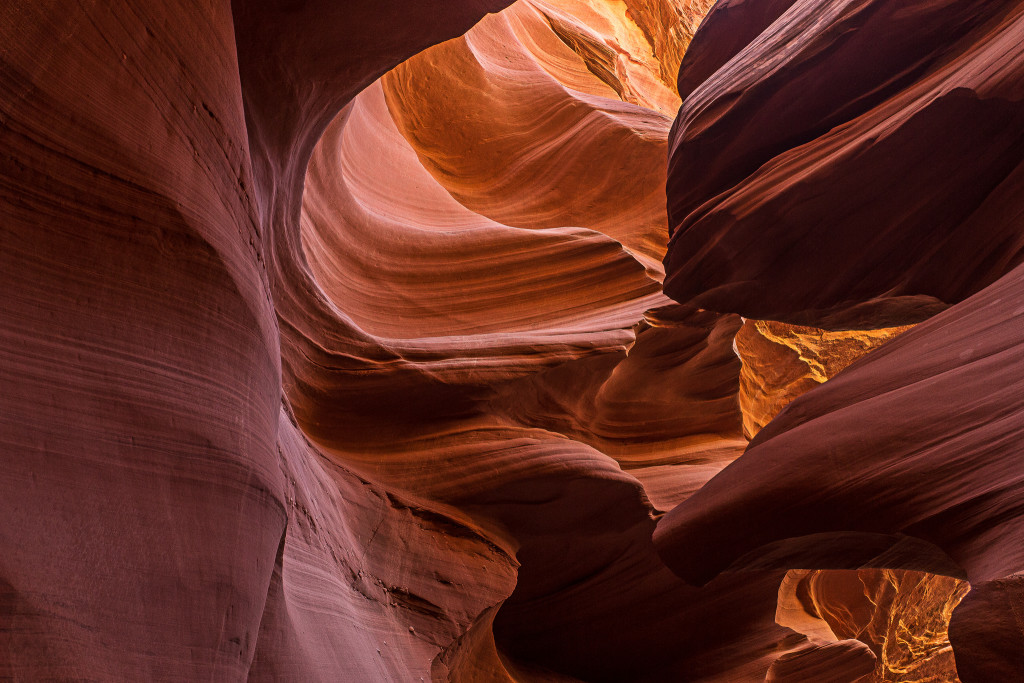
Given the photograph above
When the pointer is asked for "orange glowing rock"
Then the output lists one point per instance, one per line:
(335, 346)
(782, 361)
(902, 616)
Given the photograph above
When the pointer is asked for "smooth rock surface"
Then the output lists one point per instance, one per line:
(905, 459)
(334, 345)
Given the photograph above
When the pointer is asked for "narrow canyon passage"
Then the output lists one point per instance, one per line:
(462, 207)
(555, 340)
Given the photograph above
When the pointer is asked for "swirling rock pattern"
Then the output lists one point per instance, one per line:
(335, 346)
(163, 518)
(904, 459)
(786, 163)
(846, 661)
(571, 398)
(247, 406)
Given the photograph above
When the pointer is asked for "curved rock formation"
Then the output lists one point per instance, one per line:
(901, 616)
(515, 97)
(846, 661)
(335, 346)
(910, 156)
(367, 526)
(519, 341)
(896, 157)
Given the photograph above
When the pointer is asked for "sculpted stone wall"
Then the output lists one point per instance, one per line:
(846, 179)
(335, 344)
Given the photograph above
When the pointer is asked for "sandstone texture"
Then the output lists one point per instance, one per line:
(546, 341)
(782, 361)
(868, 189)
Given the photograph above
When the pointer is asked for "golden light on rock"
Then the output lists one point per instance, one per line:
(406, 341)
(902, 616)
(782, 361)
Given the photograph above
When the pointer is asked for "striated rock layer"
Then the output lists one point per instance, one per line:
(545, 387)
(335, 346)
(163, 517)
(283, 417)
(866, 154)
(852, 150)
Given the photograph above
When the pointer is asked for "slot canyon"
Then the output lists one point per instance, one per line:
(482, 341)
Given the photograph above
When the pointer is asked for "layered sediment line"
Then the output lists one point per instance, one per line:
(335, 345)
(890, 177)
